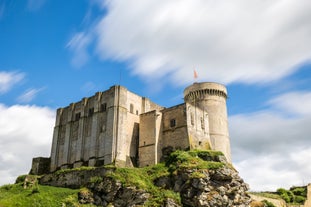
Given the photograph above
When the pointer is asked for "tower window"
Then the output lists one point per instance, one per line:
(77, 116)
(191, 119)
(202, 123)
(173, 122)
(136, 112)
(91, 111)
(103, 107)
(131, 108)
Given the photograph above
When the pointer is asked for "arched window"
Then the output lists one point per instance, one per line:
(131, 108)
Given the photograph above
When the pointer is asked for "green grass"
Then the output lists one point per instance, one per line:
(193, 160)
(293, 196)
(267, 195)
(142, 178)
(16, 196)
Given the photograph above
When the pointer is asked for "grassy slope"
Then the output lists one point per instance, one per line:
(15, 195)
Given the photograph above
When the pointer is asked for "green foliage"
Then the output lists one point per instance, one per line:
(299, 199)
(20, 179)
(143, 178)
(83, 168)
(16, 195)
(296, 195)
(299, 191)
(96, 179)
(193, 160)
(268, 204)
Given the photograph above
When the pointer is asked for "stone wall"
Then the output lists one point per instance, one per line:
(149, 138)
(40, 165)
(308, 201)
(174, 127)
(99, 130)
(198, 127)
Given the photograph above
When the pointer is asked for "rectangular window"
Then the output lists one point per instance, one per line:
(173, 123)
(103, 107)
(131, 108)
(202, 123)
(77, 117)
(191, 119)
(91, 111)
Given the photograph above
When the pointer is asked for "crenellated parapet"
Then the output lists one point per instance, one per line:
(202, 93)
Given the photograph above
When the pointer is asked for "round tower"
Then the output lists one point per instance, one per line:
(211, 97)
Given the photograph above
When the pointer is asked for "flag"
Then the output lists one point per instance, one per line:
(195, 75)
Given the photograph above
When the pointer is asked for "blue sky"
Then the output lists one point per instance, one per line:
(53, 53)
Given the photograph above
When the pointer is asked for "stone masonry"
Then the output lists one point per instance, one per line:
(119, 127)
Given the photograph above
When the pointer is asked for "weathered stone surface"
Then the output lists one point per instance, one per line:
(111, 192)
(72, 179)
(213, 188)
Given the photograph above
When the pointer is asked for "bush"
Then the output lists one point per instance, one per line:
(20, 179)
(96, 179)
(268, 204)
(299, 199)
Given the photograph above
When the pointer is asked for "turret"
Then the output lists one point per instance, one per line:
(211, 97)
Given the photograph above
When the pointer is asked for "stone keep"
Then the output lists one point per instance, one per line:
(120, 127)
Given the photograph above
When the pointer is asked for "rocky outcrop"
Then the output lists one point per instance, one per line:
(197, 188)
(111, 192)
(211, 188)
(190, 179)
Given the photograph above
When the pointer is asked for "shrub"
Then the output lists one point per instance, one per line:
(268, 204)
(96, 179)
(299, 199)
(20, 179)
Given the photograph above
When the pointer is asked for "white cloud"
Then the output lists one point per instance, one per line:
(28, 95)
(26, 132)
(8, 80)
(226, 41)
(270, 148)
(294, 102)
(78, 44)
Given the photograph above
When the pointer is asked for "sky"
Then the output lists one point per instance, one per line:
(53, 53)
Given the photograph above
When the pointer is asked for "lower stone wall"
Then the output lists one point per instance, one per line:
(72, 179)
(308, 201)
(40, 165)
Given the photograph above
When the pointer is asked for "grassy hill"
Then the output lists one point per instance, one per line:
(191, 171)
(15, 195)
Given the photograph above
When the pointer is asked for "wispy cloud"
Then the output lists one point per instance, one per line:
(227, 41)
(26, 131)
(29, 95)
(78, 44)
(9, 79)
(35, 5)
(267, 146)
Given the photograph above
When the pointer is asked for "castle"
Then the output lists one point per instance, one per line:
(120, 127)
